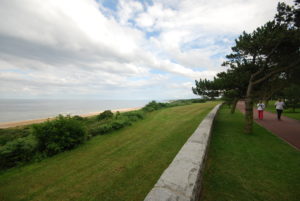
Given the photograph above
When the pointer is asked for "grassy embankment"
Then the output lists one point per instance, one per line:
(286, 112)
(123, 165)
(249, 167)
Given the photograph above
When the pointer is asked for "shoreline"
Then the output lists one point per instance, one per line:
(36, 121)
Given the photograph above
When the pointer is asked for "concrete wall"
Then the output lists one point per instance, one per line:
(181, 181)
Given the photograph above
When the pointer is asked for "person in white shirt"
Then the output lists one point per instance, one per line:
(260, 109)
(279, 108)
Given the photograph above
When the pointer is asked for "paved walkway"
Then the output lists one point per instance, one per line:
(287, 129)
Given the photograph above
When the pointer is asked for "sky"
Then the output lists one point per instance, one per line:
(119, 49)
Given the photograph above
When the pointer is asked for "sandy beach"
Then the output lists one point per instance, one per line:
(35, 121)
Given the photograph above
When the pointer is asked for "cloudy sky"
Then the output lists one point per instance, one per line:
(118, 49)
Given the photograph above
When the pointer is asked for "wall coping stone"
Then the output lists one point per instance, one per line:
(181, 181)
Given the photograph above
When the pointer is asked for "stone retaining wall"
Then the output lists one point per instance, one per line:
(181, 181)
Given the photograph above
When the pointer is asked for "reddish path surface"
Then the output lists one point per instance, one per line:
(287, 129)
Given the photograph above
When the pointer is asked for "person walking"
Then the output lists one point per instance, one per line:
(260, 110)
(279, 108)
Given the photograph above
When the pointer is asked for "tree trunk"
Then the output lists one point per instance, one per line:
(249, 110)
(234, 105)
(248, 115)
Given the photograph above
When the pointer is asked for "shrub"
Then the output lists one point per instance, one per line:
(79, 118)
(17, 151)
(153, 105)
(134, 115)
(62, 133)
(114, 124)
(10, 134)
(117, 114)
(102, 129)
(121, 120)
(107, 114)
(198, 101)
(120, 123)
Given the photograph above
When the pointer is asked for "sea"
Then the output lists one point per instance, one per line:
(12, 110)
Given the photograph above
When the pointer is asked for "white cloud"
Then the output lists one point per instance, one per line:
(80, 48)
(153, 15)
(202, 22)
(127, 10)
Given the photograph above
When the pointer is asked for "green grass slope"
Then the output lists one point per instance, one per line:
(249, 167)
(121, 166)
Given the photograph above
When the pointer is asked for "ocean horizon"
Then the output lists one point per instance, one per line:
(12, 110)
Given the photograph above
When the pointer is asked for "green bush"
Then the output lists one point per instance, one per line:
(10, 134)
(198, 101)
(18, 151)
(120, 123)
(79, 118)
(134, 115)
(117, 114)
(102, 129)
(62, 133)
(153, 105)
(107, 114)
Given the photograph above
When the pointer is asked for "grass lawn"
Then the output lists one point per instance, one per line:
(121, 166)
(286, 112)
(249, 167)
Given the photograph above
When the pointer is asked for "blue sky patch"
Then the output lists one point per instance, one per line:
(152, 34)
(111, 4)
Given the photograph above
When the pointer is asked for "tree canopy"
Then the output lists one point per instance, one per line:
(261, 62)
(206, 88)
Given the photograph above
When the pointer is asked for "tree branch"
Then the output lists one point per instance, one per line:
(267, 60)
(276, 71)
(273, 50)
(257, 73)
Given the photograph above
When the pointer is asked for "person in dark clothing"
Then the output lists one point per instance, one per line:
(279, 108)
